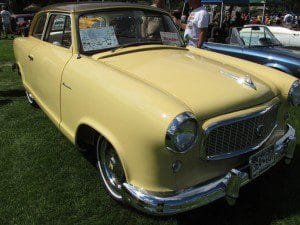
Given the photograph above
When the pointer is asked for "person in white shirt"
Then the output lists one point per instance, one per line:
(197, 24)
(6, 18)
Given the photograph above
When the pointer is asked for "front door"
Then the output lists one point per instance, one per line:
(32, 41)
(48, 62)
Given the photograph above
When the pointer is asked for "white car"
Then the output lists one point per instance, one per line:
(287, 37)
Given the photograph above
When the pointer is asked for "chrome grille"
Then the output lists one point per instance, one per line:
(234, 137)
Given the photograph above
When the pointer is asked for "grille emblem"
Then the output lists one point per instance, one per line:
(259, 130)
(246, 80)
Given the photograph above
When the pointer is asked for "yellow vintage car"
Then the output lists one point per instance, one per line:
(172, 127)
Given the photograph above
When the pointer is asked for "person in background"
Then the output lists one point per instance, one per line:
(226, 23)
(257, 20)
(1, 27)
(197, 24)
(267, 20)
(216, 19)
(237, 22)
(6, 23)
(278, 19)
(245, 19)
(159, 4)
(152, 25)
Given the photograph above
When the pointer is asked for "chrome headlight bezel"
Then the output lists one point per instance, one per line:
(173, 128)
(294, 94)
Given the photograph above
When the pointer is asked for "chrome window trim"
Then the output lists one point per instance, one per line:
(44, 28)
(234, 120)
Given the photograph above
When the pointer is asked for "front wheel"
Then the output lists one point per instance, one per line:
(110, 168)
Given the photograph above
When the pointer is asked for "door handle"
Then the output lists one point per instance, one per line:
(30, 57)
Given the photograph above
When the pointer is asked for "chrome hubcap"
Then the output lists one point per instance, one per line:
(110, 168)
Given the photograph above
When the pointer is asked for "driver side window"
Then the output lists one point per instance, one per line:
(39, 26)
(59, 30)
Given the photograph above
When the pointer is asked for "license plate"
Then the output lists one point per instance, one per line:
(261, 161)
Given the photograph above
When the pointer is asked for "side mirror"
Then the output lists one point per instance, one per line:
(25, 32)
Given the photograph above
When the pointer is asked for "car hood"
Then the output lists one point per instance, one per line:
(204, 85)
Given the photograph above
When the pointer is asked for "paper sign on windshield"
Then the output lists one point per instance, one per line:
(169, 38)
(98, 38)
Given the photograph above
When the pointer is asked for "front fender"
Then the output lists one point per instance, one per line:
(129, 113)
(105, 132)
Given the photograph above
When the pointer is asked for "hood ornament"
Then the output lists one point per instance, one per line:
(246, 80)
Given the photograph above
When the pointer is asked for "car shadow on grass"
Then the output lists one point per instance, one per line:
(90, 156)
(273, 196)
(12, 93)
(4, 102)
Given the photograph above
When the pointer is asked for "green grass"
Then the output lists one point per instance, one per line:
(45, 180)
(6, 54)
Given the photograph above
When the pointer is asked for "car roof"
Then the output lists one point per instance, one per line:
(95, 5)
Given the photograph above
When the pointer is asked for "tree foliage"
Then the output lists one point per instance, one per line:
(18, 5)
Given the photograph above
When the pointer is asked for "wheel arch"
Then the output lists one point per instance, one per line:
(17, 67)
(87, 133)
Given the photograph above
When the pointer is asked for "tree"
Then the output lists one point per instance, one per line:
(18, 5)
(292, 5)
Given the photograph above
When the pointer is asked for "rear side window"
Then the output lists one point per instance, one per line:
(39, 26)
(59, 30)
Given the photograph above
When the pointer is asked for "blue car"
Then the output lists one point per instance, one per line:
(256, 43)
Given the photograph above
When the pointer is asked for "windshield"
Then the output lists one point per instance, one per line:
(258, 36)
(113, 29)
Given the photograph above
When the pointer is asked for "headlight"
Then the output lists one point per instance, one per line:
(182, 133)
(294, 94)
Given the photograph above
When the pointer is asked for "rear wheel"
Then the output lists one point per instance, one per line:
(110, 168)
(31, 100)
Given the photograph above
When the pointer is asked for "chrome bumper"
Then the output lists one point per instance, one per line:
(227, 186)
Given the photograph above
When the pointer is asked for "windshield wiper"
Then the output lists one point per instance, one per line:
(136, 44)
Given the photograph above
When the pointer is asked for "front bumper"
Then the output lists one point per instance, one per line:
(227, 186)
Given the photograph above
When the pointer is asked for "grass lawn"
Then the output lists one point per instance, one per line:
(45, 180)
